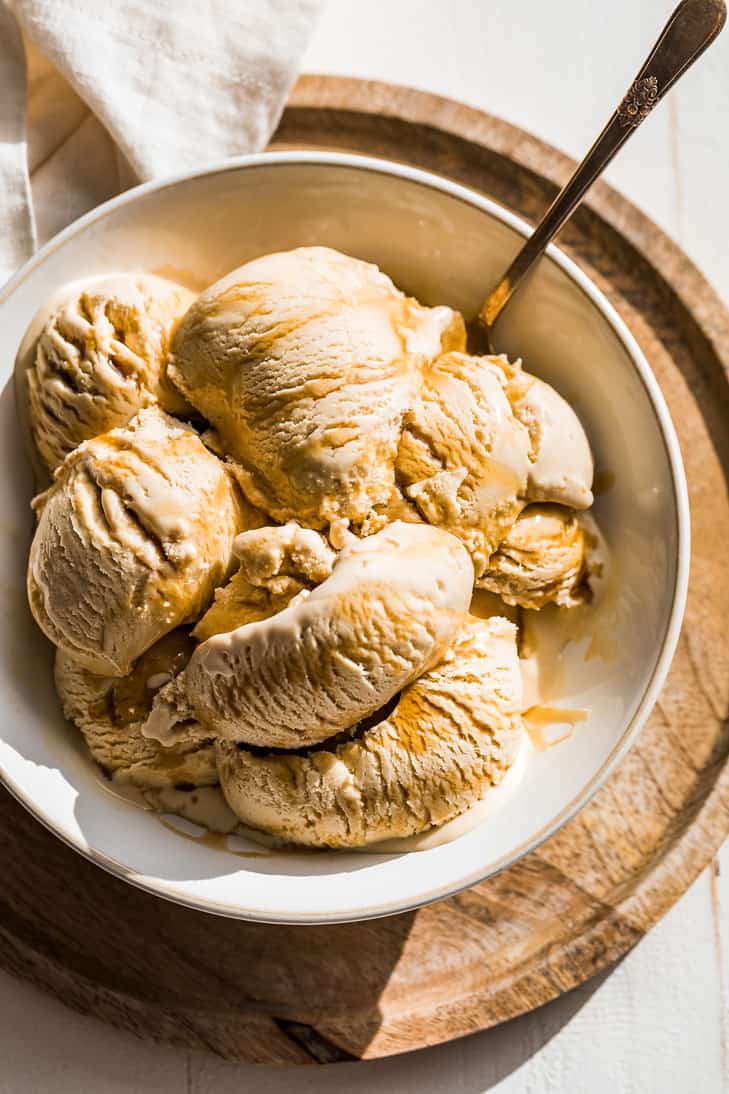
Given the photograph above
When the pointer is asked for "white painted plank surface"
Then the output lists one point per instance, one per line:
(46, 1048)
(719, 896)
(660, 1020)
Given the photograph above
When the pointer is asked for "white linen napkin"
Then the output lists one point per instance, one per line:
(17, 236)
(116, 93)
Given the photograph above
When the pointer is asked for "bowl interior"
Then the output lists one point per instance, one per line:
(444, 247)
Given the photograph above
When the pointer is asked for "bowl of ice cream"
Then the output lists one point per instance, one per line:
(318, 615)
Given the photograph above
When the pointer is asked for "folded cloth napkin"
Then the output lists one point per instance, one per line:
(95, 97)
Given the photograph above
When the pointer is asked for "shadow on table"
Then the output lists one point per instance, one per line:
(136, 960)
(490, 1056)
(469, 1065)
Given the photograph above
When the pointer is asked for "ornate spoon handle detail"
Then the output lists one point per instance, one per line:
(691, 29)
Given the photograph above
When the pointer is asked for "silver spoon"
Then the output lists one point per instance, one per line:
(691, 29)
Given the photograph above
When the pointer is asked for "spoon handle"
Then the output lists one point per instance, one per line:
(691, 29)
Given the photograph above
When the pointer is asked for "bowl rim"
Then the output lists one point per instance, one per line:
(167, 890)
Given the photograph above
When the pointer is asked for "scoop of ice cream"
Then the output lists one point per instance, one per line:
(391, 606)
(561, 468)
(132, 538)
(276, 563)
(305, 363)
(284, 558)
(464, 457)
(453, 733)
(110, 711)
(101, 356)
(541, 561)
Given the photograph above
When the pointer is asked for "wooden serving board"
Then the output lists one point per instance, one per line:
(308, 994)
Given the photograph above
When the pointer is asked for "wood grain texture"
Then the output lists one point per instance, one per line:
(318, 994)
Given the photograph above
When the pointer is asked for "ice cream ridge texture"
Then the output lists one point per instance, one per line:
(270, 507)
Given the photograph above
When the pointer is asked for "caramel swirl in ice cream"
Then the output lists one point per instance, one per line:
(133, 536)
(305, 363)
(453, 733)
(102, 356)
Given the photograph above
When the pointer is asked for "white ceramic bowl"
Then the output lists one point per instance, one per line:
(445, 244)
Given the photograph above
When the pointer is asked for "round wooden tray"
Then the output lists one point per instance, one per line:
(304, 994)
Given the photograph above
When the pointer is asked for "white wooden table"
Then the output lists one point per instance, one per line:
(659, 1021)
